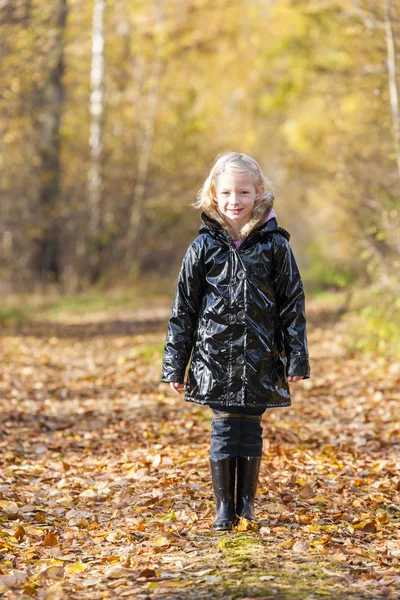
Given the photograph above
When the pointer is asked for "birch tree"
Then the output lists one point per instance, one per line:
(392, 79)
(96, 116)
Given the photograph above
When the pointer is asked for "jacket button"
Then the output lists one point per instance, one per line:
(241, 315)
(241, 275)
(240, 360)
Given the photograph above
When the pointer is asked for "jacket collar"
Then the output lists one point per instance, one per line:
(214, 227)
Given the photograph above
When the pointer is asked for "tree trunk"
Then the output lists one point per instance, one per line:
(146, 146)
(46, 258)
(90, 247)
(392, 80)
(95, 175)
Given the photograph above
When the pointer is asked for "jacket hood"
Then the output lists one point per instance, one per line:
(260, 219)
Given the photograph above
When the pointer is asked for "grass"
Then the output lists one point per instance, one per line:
(370, 315)
(17, 307)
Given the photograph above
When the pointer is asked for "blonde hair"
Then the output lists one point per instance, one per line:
(235, 162)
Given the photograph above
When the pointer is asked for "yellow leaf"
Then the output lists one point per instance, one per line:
(160, 541)
(222, 544)
(381, 515)
(320, 498)
(377, 498)
(33, 530)
(246, 525)
(76, 568)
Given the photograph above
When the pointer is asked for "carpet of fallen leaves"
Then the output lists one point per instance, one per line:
(105, 488)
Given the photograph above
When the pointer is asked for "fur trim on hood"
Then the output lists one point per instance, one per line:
(260, 212)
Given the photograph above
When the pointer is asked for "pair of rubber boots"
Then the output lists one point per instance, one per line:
(224, 472)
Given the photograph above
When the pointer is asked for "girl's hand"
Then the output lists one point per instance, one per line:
(294, 378)
(177, 387)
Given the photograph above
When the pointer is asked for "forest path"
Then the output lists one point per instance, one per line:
(105, 488)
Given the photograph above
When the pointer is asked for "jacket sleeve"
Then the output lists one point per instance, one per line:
(290, 301)
(183, 319)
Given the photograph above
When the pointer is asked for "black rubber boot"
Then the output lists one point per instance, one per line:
(248, 469)
(223, 481)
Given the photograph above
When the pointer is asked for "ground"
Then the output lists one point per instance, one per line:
(105, 489)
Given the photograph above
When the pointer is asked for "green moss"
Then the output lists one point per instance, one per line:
(11, 315)
(150, 352)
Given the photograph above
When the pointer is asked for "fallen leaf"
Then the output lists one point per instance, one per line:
(147, 573)
(9, 508)
(76, 568)
(50, 539)
(307, 492)
(366, 526)
(246, 525)
(14, 579)
(55, 592)
(156, 461)
(301, 546)
(89, 493)
(160, 541)
(119, 572)
(20, 533)
(53, 572)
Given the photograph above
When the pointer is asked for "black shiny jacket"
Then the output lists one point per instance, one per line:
(242, 313)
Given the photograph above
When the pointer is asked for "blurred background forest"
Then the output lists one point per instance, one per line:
(112, 112)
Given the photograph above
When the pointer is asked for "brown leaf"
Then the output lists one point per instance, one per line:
(50, 539)
(10, 509)
(366, 526)
(53, 572)
(287, 498)
(301, 547)
(14, 579)
(119, 572)
(20, 533)
(146, 573)
(307, 492)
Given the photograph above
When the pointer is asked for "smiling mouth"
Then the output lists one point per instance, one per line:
(235, 210)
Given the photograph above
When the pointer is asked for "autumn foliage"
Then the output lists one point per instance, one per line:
(105, 486)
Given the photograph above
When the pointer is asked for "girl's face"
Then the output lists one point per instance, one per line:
(235, 195)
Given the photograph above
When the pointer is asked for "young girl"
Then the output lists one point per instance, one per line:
(239, 306)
